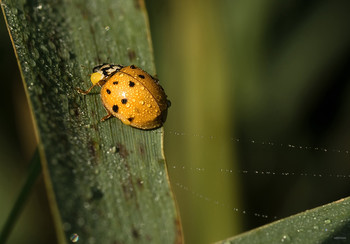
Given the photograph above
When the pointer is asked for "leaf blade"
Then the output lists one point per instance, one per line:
(109, 181)
(325, 224)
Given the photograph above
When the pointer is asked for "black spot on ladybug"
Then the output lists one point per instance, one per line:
(131, 84)
(115, 83)
(108, 91)
(124, 101)
(131, 119)
(142, 76)
(115, 108)
(133, 67)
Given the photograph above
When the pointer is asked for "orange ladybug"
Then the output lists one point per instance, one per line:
(130, 94)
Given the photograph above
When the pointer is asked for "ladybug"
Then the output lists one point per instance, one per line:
(130, 94)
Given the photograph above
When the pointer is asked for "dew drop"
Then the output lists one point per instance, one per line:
(32, 63)
(51, 45)
(44, 49)
(30, 87)
(63, 53)
(14, 11)
(113, 149)
(74, 237)
(86, 205)
(285, 238)
(35, 53)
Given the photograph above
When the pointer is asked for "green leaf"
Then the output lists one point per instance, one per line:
(107, 182)
(326, 224)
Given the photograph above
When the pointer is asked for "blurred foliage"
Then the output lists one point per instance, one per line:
(191, 62)
(26, 190)
(282, 70)
(268, 71)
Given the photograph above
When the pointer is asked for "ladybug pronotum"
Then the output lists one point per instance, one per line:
(130, 94)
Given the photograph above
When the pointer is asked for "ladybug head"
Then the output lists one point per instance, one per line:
(104, 71)
(107, 69)
(96, 77)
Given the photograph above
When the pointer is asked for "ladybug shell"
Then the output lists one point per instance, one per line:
(136, 98)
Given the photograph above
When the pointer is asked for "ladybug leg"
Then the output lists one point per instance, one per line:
(85, 92)
(106, 117)
(100, 83)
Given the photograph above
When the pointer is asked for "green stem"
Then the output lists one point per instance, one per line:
(34, 171)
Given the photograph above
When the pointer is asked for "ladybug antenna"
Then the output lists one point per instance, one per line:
(85, 68)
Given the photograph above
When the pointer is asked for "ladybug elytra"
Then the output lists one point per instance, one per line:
(130, 94)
